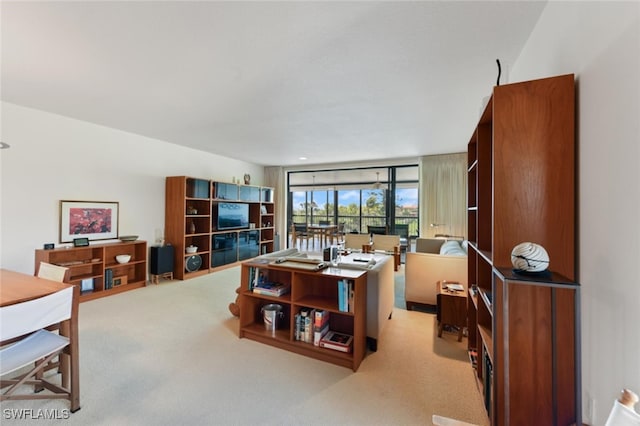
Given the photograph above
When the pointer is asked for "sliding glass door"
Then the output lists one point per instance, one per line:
(381, 197)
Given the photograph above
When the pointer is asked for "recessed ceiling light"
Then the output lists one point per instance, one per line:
(302, 158)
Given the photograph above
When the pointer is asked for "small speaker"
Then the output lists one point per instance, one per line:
(161, 260)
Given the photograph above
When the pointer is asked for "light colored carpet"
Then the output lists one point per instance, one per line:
(170, 354)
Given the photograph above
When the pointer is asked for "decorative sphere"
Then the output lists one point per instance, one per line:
(529, 257)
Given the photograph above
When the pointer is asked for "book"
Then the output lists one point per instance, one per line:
(308, 316)
(350, 296)
(271, 289)
(319, 333)
(108, 279)
(344, 294)
(321, 318)
(453, 286)
(337, 341)
(320, 325)
(298, 325)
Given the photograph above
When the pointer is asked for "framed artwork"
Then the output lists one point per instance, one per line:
(86, 284)
(95, 220)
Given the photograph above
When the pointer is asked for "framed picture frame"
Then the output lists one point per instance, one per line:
(86, 285)
(95, 220)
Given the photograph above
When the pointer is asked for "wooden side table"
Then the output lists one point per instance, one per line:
(451, 308)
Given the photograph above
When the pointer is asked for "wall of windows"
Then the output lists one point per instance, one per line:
(356, 197)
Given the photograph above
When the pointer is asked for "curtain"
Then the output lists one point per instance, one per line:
(443, 195)
(274, 177)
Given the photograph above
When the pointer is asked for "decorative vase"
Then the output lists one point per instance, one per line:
(192, 228)
(247, 179)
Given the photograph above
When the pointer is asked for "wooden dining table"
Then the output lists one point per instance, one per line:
(16, 287)
(324, 232)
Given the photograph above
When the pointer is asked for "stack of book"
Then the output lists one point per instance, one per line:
(337, 341)
(311, 325)
(345, 295)
(108, 279)
(320, 325)
(271, 289)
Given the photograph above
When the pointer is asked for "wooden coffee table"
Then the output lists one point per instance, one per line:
(452, 308)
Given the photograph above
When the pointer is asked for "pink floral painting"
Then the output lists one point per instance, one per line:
(95, 220)
(89, 221)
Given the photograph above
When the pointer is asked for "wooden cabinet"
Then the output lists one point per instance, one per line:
(227, 222)
(309, 290)
(95, 270)
(535, 349)
(521, 187)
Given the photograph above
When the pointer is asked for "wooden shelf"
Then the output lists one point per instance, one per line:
(191, 218)
(312, 290)
(92, 262)
(521, 187)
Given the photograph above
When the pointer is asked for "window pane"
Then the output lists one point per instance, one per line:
(320, 206)
(406, 208)
(349, 209)
(299, 207)
(373, 208)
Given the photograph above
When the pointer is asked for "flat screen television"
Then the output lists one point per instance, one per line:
(233, 215)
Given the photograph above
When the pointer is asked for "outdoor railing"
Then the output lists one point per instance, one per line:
(360, 224)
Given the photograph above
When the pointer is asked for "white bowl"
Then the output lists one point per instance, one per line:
(123, 258)
(191, 249)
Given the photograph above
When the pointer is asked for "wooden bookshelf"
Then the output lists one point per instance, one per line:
(521, 188)
(93, 262)
(309, 289)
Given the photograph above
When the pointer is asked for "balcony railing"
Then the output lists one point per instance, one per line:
(360, 224)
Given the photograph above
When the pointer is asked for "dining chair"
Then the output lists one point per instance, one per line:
(53, 272)
(356, 241)
(402, 229)
(25, 324)
(338, 234)
(377, 229)
(58, 273)
(300, 232)
(388, 244)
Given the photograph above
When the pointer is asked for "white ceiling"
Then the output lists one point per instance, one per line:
(267, 82)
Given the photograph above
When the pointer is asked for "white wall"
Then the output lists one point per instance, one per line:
(600, 43)
(55, 158)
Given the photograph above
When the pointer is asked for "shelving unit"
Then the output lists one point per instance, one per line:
(92, 262)
(191, 219)
(309, 289)
(521, 187)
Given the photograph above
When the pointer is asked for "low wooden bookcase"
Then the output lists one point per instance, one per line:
(94, 264)
(309, 289)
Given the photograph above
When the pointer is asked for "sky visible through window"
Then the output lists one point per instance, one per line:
(407, 197)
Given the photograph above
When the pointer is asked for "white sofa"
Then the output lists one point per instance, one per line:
(380, 288)
(434, 260)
